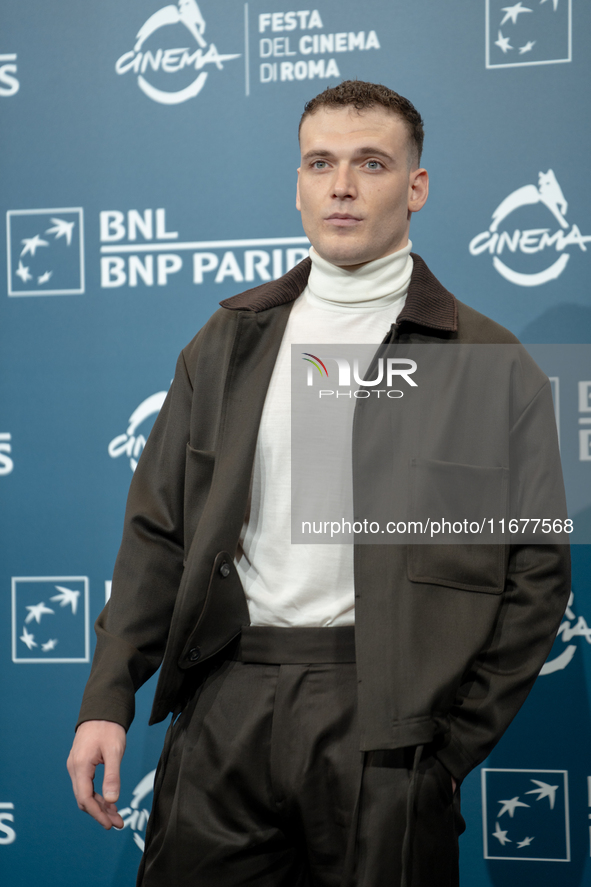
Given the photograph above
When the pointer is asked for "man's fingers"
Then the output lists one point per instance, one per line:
(114, 816)
(97, 742)
(111, 781)
(95, 809)
(82, 774)
(87, 800)
(107, 812)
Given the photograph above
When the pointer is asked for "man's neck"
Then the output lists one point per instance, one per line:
(372, 285)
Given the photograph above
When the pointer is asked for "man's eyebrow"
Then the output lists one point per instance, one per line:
(318, 153)
(369, 150)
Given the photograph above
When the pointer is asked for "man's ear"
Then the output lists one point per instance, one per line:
(298, 190)
(418, 190)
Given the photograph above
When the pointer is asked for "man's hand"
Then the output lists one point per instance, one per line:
(97, 742)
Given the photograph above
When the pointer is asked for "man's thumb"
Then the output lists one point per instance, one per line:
(111, 783)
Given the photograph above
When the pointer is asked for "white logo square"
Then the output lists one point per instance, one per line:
(45, 252)
(525, 815)
(50, 619)
(530, 32)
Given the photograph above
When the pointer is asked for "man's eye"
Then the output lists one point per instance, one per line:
(319, 164)
(374, 164)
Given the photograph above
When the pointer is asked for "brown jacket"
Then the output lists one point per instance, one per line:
(447, 649)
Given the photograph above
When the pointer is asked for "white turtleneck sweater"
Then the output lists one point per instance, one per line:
(310, 585)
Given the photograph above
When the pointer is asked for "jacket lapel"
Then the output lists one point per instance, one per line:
(257, 343)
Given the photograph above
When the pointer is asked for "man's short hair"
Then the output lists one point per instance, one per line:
(362, 95)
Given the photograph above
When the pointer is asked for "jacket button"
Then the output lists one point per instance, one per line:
(194, 654)
(225, 569)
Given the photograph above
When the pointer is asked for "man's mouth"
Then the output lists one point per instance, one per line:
(343, 220)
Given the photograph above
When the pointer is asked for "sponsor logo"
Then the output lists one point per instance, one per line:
(584, 419)
(528, 33)
(6, 462)
(570, 628)
(135, 817)
(45, 252)
(138, 250)
(7, 833)
(525, 815)
(304, 54)
(499, 240)
(159, 68)
(50, 620)
(140, 423)
(9, 85)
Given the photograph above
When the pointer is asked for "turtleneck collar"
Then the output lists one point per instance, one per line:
(375, 285)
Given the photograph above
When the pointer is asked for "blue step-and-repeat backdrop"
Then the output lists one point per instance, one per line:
(148, 157)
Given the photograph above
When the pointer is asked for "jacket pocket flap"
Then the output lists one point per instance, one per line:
(460, 500)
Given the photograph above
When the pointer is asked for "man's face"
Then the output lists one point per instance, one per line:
(357, 184)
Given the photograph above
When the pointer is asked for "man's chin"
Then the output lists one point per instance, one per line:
(345, 257)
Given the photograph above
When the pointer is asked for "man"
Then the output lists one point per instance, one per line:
(304, 751)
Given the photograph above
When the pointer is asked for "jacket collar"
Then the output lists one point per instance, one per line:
(428, 303)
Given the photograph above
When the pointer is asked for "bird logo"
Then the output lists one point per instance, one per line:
(543, 791)
(23, 272)
(62, 228)
(525, 814)
(31, 244)
(67, 597)
(45, 252)
(36, 612)
(174, 60)
(501, 835)
(57, 631)
(528, 33)
(28, 639)
(509, 806)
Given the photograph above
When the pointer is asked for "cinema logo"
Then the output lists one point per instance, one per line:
(135, 817)
(498, 239)
(137, 249)
(385, 371)
(133, 441)
(160, 67)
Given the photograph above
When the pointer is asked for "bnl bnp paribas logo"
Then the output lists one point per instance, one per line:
(45, 252)
(533, 32)
(520, 254)
(50, 619)
(171, 74)
(525, 815)
(139, 249)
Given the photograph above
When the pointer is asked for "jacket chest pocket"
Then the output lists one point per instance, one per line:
(466, 498)
(199, 465)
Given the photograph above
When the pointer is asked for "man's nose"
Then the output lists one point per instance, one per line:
(344, 183)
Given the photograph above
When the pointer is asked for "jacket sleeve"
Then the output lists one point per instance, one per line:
(536, 593)
(133, 627)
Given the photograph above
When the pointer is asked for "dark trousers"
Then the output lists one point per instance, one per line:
(261, 782)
